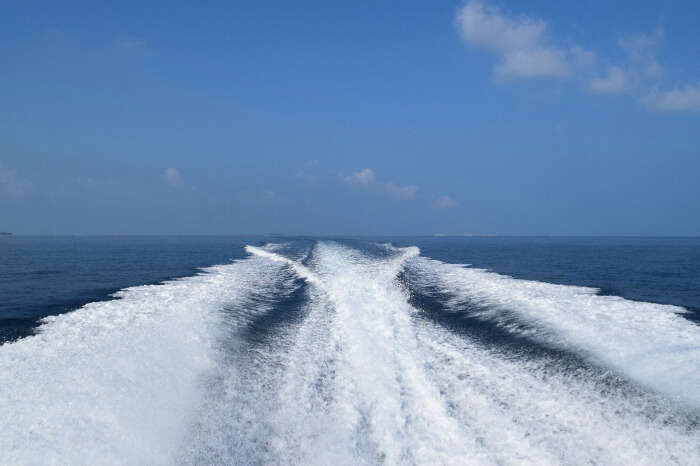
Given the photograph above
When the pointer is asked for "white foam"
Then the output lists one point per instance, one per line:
(525, 413)
(233, 423)
(366, 381)
(310, 398)
(648, 342)
(379, 367)
(300, 269)
(116, 382)
(171, 374)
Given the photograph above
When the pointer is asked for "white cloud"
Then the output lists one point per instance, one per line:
(445, 202)
(401, 192)
(676, 100)
(365, 179)
(488, 27)
(640, 67)
(642, 47)
(521, 43)
(582, 57)
(10, 185)
(172, 177)
(616, 81)
(526, 52)
(641, 52)
(652, 69)
(534, 63)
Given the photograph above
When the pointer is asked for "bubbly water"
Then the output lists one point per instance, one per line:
(347, 352)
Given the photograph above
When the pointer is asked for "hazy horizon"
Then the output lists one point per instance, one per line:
(343, 235)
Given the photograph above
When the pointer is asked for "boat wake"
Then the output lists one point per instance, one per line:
(327, 359)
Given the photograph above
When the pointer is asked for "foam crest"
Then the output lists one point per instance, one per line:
(116, 382)
(379, 364)
(352, 390)
(648, 342)
(271, 361)
(299, 268)
(366, 380)
(536, 412)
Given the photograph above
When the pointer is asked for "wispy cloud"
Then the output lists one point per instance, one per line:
(306, 177)
(641, 51)
(365, 179)
(583, 58)
(640, 69)
(306, 173)
(615, 81)
(521, 43)
(10, 185)
(526, 51)
(686, 98)
(408, 191)
(172, 177)
(445, 202)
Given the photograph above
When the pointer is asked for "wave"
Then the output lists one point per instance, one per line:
(648, 342)
(300, 269)
(316, 359)
(117, 382)
(364, 380)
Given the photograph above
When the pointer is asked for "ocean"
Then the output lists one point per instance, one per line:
(346, 350)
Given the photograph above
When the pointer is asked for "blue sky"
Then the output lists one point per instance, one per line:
(536, 117)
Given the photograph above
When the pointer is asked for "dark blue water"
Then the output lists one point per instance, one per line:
(659, 270)
(41, 276)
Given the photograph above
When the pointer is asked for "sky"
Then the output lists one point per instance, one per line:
(352, 118)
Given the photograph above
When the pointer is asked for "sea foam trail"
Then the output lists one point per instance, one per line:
(357, 376)
(300, 269)
(116, 382)
(233, 423)
(213, 369)
(368, 381)
(647, 342)
(380, 367)
(535, 412)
